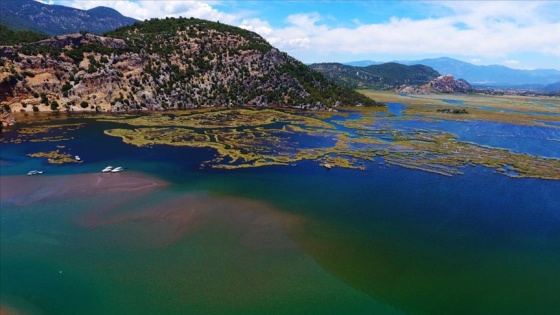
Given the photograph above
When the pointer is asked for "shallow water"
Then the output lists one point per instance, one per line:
(534, 140)
(162, 251)
(281, 239)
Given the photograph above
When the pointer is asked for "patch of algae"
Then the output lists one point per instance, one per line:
(55, 157)
(44, 133)
(245, 138)
(235, 148)
(231, 118)
(48, 128)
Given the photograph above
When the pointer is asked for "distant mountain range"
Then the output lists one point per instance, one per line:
(387, 75)
(53, 20)
(493, 75)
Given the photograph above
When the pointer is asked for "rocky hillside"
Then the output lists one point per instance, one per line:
(441, 84)
(384, 76)
(58, 20)
(159, 64)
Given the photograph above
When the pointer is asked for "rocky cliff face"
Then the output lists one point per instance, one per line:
(36, 76)
(441, 84)
(447, 84)
(160, 64)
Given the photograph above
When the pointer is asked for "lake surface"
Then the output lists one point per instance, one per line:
(278, 239)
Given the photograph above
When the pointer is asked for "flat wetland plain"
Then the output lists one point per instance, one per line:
(526, 110)
(232, 211)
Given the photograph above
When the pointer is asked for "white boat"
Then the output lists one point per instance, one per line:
(34, 172)
(327, 165)
(107, 169)
(77, 158)
(117, 169)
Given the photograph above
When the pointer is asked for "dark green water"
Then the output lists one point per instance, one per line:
(275, 240)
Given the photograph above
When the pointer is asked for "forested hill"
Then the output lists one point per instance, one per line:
(52, 20)
(387, 75)
(11, 37)
(163, 63)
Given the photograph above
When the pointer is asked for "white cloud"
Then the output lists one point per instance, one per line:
(304, 20)
(511, 62)
(258, 26)
(474, 60)
(143, 10)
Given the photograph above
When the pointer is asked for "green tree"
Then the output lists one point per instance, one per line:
(44, 99)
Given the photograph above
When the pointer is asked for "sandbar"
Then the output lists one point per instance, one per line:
(172, 217)
(256, 224)
(24, 190)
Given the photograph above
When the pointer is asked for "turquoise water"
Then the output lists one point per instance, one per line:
(454, 102)
(282, 239)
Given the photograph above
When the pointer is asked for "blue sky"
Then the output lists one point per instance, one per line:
(517, 34)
